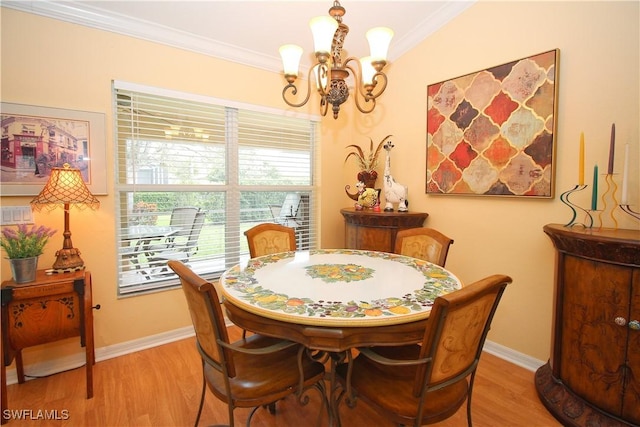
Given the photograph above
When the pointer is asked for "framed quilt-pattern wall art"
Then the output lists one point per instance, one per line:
(492, 132)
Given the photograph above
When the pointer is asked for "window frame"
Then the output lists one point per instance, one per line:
(232, 189)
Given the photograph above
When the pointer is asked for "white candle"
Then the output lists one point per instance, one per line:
(625, 175)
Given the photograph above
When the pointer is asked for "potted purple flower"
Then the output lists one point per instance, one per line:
(23, 246)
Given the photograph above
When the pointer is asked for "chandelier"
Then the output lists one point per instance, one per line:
(330, 71)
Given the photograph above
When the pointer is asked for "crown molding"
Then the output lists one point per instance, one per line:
(116, 23)
(99, 19)
(428, 26)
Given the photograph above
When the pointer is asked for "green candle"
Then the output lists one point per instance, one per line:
(594, 192)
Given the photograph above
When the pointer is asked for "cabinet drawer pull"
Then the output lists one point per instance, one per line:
(634, 324)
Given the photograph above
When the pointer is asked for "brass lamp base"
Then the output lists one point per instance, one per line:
(68, 259)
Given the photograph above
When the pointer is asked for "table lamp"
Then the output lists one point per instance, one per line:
(66, 187)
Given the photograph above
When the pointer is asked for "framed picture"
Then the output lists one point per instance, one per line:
(36, 139)
(493, 132)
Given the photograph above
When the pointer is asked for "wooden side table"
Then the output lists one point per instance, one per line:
(376, 231)
(51, 308)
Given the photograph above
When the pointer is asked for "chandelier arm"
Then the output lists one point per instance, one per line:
(294, 91)
(359, 87)
(381, 84)
(371, 101)
(323, 74)
(324, 105)
(291, 87)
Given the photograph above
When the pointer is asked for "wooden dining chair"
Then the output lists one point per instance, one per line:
(269, 238)
(249, 373)
(428, 382)
(423, 243)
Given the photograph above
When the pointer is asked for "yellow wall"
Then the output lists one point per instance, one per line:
(51, 63)
(598, 85)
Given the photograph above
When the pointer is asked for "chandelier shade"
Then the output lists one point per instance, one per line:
(323, 28)
(379, 40)
(291, 55)
(329, 74)
(66, 188)
(367, 70)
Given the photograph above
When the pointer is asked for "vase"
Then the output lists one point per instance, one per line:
(369, 178)
(24, 269)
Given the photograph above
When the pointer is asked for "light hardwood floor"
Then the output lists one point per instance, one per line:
(161, 387)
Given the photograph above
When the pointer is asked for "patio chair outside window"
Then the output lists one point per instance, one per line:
(179, 252)
(182, 218)
(294, 213)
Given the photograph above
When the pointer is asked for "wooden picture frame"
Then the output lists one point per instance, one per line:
(493, 132)
(35, 139)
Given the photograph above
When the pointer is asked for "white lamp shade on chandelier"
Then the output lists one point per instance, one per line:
(323, 28)
(330, 71)
(379, 40)
(291, 55)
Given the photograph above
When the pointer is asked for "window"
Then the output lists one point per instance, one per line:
(234, 165)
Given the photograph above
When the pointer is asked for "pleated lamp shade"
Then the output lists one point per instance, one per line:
(66, 188)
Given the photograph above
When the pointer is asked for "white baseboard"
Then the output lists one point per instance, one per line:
(66, 363)
(517, 358)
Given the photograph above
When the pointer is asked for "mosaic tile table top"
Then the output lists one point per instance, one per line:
(492, 132)
(338, 287)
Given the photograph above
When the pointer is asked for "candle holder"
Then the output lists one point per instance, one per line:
(627, 209)
(564, 197)
(612, 187)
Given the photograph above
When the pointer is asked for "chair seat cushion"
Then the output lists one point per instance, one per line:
(254, 385)
(391, 394)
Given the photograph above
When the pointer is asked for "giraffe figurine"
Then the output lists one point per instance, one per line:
(394, 192)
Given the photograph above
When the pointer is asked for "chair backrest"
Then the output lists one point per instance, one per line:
(456, 332)
(423, 243)
(269, 238)
(290, 205)
(293, 211)
(194, 234)
(207, 317)
(183, 218)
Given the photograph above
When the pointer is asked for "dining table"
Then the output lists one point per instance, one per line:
(335, 300)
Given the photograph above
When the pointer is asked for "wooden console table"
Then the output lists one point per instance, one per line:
(376, 231)
(593, 376)
(51, 308)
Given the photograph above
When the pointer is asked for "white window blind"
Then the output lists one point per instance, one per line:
(234, 165)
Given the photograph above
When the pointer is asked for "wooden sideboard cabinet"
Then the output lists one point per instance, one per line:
(593, 376)
(51, 308)
(376, 231)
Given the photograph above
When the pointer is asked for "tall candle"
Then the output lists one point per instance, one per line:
(594, 191)
(611, 148)
(625, 176)
(581, 160)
